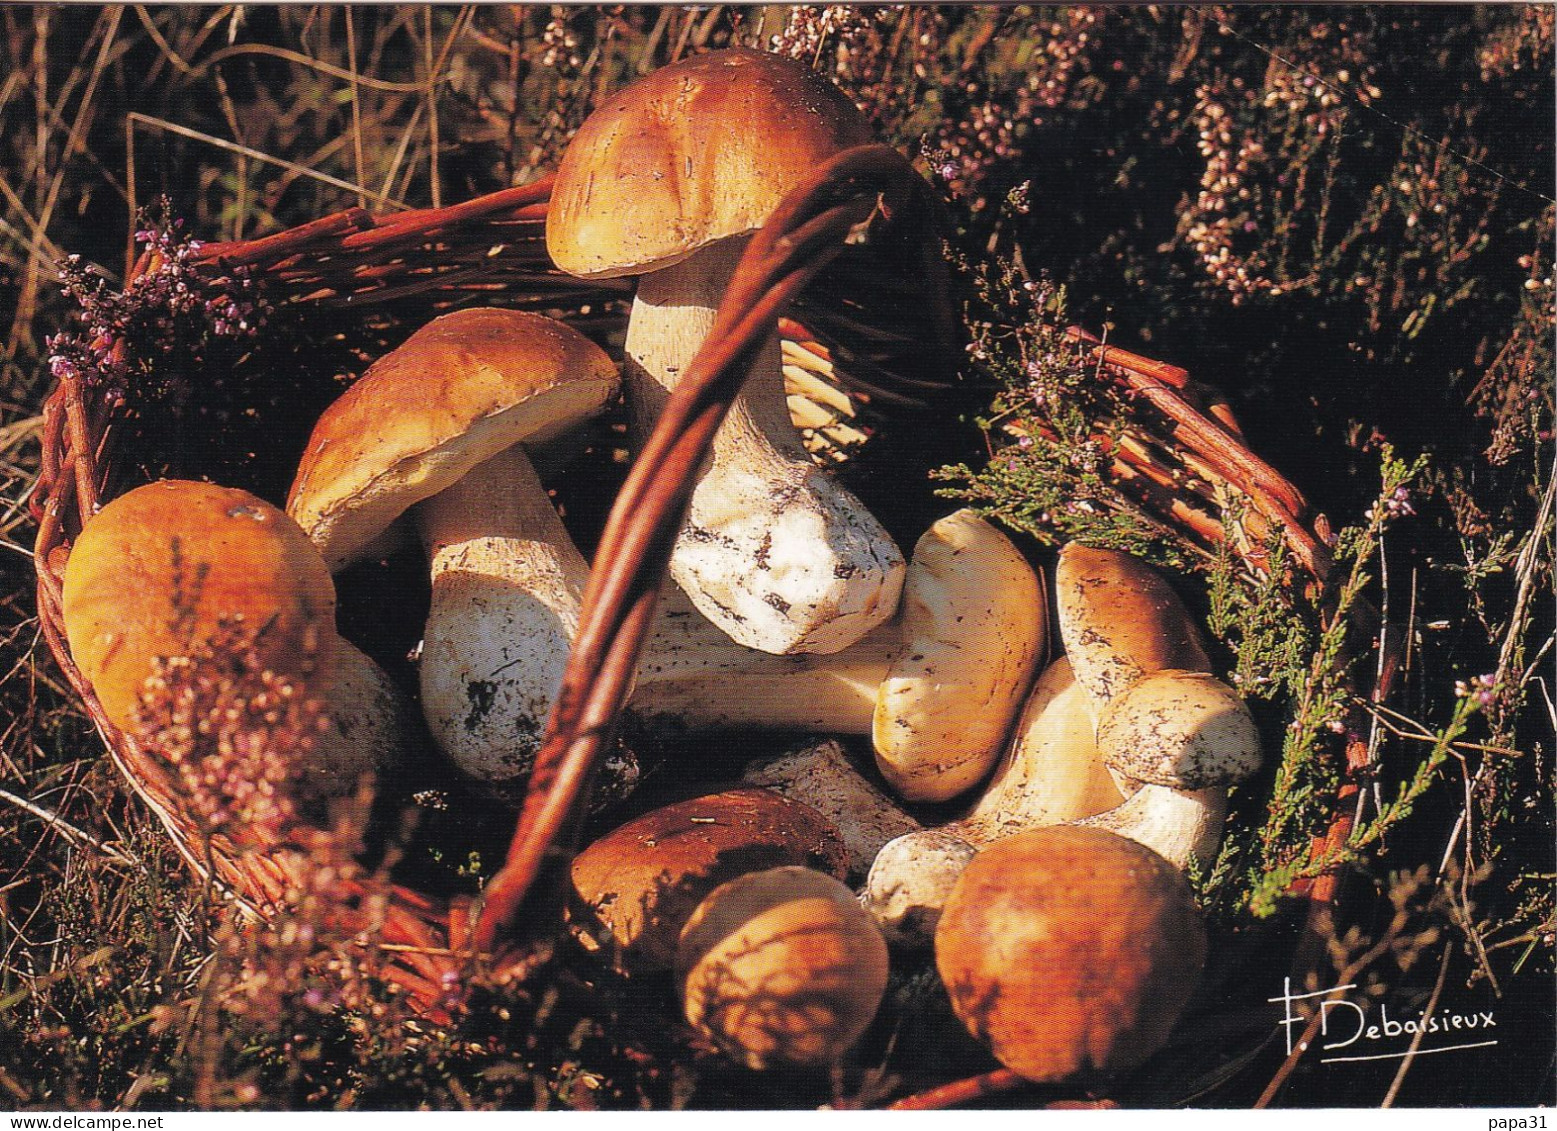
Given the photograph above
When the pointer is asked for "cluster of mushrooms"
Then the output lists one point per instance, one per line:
(1056, 902)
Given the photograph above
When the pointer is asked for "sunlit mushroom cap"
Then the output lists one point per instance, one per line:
(782, 967)
(458, 391)
(156, 571)
(692, 153)
(1070, 951)
(1187, 730)
(1120, 621)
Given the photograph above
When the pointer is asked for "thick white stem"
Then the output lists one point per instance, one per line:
(1052, 771)
(695, 677)
(507, 583)
(371, 733)
(773, 551)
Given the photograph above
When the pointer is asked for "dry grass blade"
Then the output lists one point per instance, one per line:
(293, 167)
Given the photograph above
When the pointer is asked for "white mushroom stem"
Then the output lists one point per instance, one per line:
(507, 583)
(1052, 771)
(694, 677)
(372, 731)
(821, 776)
(1182, 826)
(773, 551)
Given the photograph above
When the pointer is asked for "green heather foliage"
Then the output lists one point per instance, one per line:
(1341, 217)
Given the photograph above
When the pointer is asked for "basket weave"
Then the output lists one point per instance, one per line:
(1183, 458)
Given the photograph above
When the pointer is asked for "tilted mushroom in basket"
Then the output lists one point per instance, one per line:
(159, 571)
(665, 181)
(1171, 734)
(937, 687)
(435, 425)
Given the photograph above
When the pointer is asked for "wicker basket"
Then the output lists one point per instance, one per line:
(1185, 458)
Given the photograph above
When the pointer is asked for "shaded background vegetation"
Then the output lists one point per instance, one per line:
(1342, 217)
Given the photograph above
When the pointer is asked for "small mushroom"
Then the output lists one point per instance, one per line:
(666, 181)
(434, 425)
(1120, 621)
(781, 967)
(1183, 729)
(636, 886)
(1070, 952)
(1188, 737)
(910, 881)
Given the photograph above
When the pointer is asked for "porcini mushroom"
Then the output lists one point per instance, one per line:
(665, 181)
(637, 886)
(159, 570)
(781, 967)
(435, 425)
(937, 688)
(1070, 952)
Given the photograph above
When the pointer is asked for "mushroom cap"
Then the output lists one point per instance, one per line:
(637, 885)
(1187, 730)
(781, 967)
(1070, 951)
(692, 153)
(973, 624)
(1120, 621)
(458, 391)
(156, 570)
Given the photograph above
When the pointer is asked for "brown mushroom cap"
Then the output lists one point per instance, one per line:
(1070, 951)
(692, 153)
(781, 967)
(458, 391)
(156, 570)
(1187, 730)
(1120, 621)
(638, 885)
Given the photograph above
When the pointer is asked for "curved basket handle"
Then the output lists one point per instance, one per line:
(804, 233)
